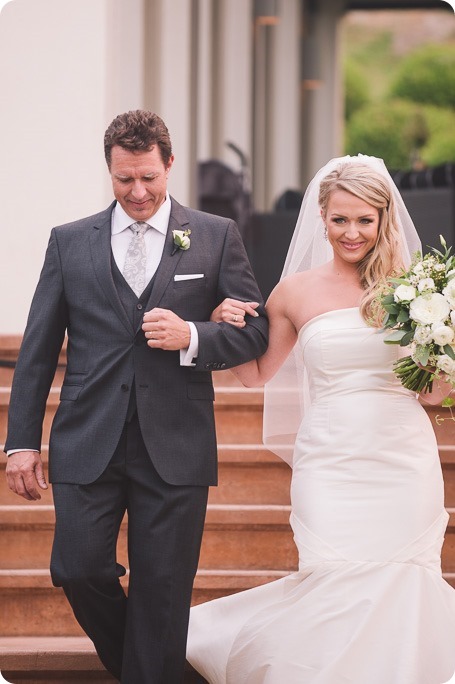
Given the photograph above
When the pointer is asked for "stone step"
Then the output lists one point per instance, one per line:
(247, 474)
(235, 537)
(7, 372)
(238, 414)
(30, 605)
(58, 660)
(443, 421)
(247, 537)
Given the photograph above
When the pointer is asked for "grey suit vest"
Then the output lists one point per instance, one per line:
(134, 308)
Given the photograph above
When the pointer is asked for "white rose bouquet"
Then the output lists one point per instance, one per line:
(419, 307)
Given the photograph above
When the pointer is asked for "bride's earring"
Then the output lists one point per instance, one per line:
(325, 233)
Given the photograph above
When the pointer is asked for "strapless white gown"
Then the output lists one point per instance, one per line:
(368, 604)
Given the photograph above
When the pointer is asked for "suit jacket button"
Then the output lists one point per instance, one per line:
(139, 306)
(125, 387)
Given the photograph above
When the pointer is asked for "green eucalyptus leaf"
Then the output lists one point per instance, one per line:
(388, 299)
(449, 351)
(400, 281)
(403, 316)
(395, 337)
(407, 338)
(392, 308)
(422, 355)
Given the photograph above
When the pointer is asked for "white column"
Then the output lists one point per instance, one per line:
(264, 45)
(283, 169)
(233, 79)
(276, 126)
(170, 85)
(323, 98)
(206, 70)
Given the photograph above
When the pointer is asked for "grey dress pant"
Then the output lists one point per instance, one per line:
(140, 639)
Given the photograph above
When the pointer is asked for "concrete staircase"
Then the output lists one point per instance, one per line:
(247, 539)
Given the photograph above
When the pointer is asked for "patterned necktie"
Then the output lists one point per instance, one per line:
(136, 259)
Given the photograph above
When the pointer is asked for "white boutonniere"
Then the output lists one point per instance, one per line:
(181, 240)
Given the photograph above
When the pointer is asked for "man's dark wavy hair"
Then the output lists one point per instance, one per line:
(138, 131)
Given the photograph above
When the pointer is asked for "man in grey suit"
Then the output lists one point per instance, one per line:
(134, 430)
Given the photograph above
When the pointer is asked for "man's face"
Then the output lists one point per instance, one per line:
(139, 181)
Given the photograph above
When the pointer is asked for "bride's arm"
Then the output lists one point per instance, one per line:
(282, 337)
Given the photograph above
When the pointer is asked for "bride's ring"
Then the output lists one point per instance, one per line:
(234, 318)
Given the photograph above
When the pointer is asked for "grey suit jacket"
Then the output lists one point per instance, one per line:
(76, 295)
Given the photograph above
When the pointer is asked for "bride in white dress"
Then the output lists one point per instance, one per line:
(368, 604)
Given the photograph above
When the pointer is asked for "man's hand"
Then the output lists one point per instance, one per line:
(165, 330)
(25, 473)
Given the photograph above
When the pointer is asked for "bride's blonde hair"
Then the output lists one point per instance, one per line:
(385, 257)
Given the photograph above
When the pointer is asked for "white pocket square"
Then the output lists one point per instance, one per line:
(188, 276)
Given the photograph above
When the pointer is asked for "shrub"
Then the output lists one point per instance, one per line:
(440, 146)
(393, 130)
(355, 88)
(427, 76)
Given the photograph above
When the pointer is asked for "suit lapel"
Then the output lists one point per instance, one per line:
(178, 221)
(100, 247)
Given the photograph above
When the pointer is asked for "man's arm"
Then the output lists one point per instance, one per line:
(220, 345)
(35, 370)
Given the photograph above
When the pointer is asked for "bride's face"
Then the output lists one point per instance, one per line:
(352, 226)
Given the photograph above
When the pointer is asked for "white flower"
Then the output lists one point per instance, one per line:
(181, 240)
(428, 309)
(442, 334)
(452, 317)
(423, 334)
(449, 293)
(439, 267)
(451, 273)
(426, 284)
(446, 364)
(418, 268)
(404, 293)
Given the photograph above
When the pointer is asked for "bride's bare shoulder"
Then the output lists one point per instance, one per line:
(292, 292)
(297, 281)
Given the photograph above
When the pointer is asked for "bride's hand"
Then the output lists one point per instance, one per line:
(441, 389)
(234, 311)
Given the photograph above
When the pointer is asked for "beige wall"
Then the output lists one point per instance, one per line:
(53, 81)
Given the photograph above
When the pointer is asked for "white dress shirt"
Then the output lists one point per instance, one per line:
(154, 244)
(154, 238)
